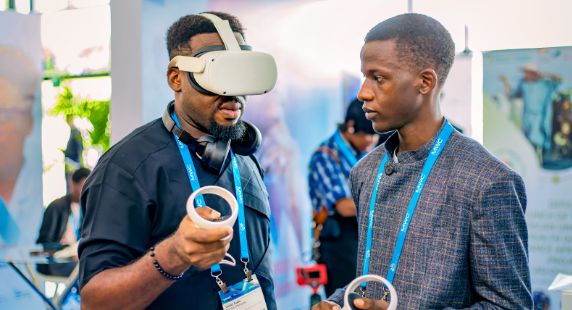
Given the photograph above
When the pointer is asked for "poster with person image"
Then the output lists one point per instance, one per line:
(527, 124)
(21, 205)
(534, 87)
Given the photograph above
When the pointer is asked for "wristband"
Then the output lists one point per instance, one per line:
(160, 269)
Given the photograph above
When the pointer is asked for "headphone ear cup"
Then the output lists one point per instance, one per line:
(215, 154)
(250, 141)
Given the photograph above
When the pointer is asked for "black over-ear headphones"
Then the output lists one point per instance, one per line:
(215, 153)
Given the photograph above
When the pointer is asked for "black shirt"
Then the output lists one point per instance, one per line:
(55, 220)
(53, 227)
(135, 197)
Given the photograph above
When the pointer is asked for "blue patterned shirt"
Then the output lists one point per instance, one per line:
(329, 173)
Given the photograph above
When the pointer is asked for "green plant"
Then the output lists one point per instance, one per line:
(95, 111)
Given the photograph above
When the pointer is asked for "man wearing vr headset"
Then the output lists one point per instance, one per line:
(139, 249)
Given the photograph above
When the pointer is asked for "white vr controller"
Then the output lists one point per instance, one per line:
(214, 190)
(201, 222)
(370, 278)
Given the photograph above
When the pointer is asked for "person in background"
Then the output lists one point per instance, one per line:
(73, 152)
(439, 216)
(62, 222)
(62, 218)
(20, 201)
(328, 176)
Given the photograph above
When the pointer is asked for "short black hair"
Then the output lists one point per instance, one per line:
(80, 174)
(421, 42)
(186, 27)
(355, 113)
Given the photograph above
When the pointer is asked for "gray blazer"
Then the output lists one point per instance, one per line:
(467, 245)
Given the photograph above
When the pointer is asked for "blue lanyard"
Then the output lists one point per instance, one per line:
(241, 220)
(345, 149)
(75, 224)
(200, 202)
(436, 150)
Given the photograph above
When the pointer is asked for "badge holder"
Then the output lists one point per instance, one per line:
(350, 295)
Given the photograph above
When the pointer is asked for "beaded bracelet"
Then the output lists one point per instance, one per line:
(161, 270)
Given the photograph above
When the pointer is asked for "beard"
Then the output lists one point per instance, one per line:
(233, 132)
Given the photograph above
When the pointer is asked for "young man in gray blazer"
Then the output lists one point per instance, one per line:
(439, 216)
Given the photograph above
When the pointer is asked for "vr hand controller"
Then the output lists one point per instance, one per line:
(228, 221)
(350, 295)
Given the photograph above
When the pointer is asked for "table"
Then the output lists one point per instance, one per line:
(20, 258)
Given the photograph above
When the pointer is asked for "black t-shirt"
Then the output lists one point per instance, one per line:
(136, 197)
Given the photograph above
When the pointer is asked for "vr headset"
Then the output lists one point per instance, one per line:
(229, 70)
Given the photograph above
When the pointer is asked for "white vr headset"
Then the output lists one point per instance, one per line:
(229, 70)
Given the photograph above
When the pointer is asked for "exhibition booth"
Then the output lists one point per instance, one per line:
(79, 76)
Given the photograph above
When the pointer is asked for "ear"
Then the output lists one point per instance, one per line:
(175, 79)
(428, 81)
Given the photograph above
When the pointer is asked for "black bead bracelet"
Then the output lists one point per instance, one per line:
(161, 270)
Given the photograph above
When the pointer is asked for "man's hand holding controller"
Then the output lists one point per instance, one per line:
(202, 239)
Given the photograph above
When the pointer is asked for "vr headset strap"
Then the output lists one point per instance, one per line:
(190, 64)
(224, 31)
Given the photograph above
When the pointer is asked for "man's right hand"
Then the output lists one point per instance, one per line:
(192, 245)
